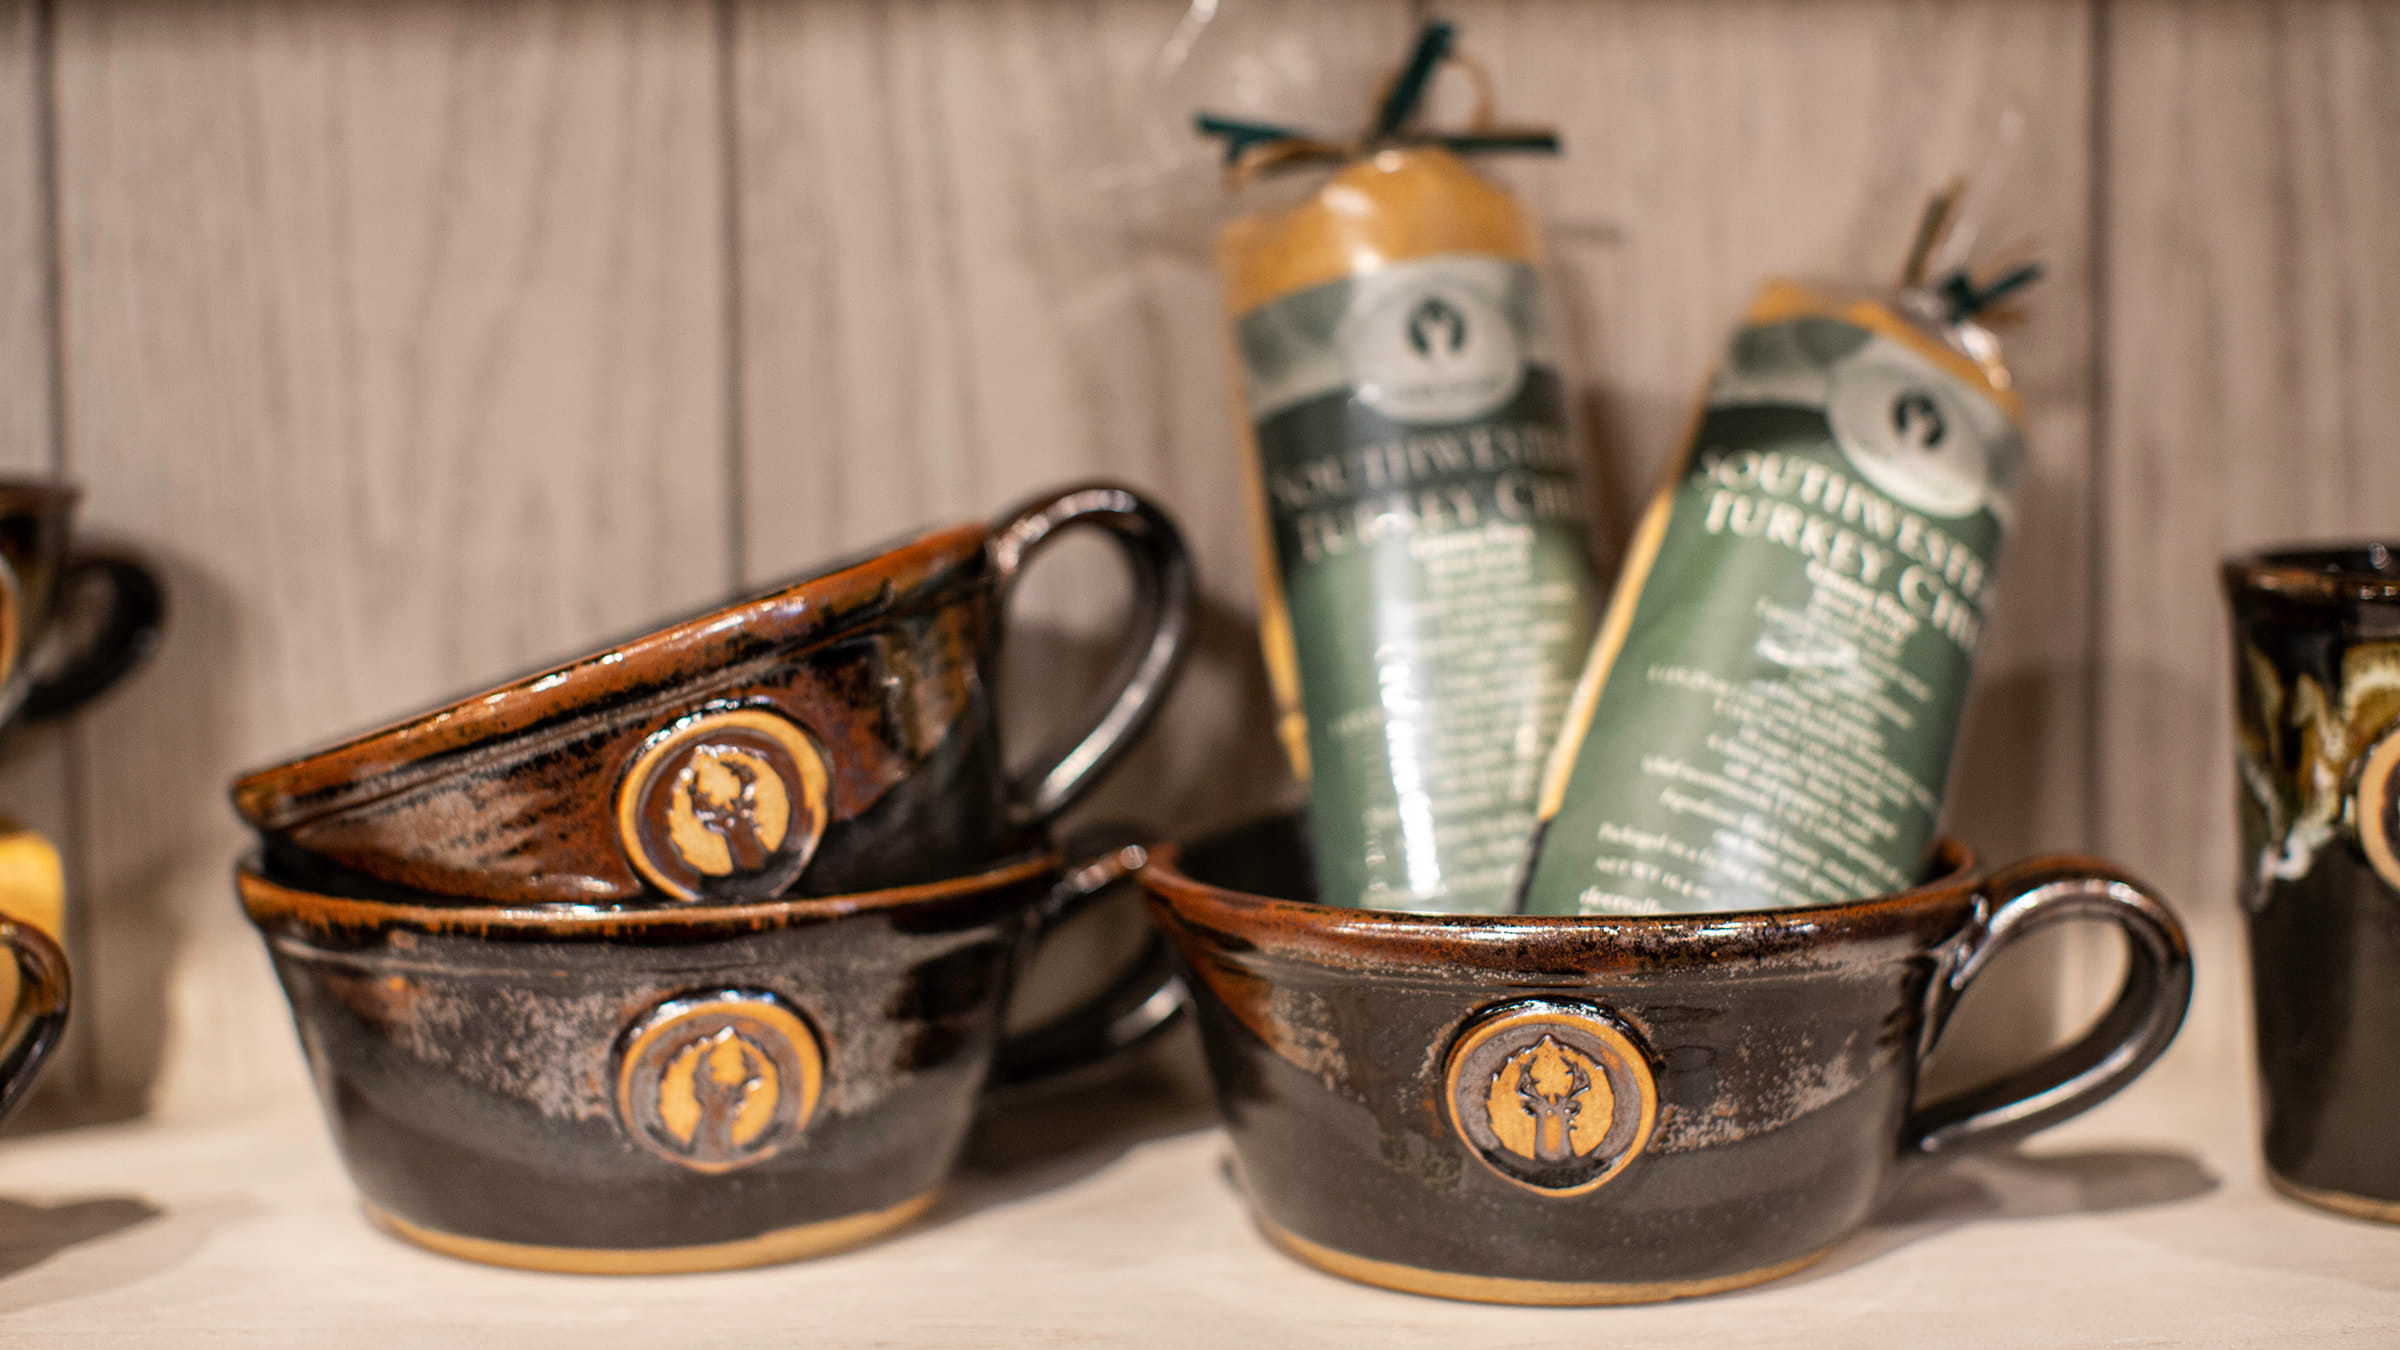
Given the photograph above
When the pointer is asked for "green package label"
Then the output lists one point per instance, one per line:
(1776, 727)
(1429, 540)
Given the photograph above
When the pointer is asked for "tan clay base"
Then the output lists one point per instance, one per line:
(1495, 1289)
(784, 1244)
(2340, 1202)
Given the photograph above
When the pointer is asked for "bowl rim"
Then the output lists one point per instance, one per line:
(2314, 572)
(279, 907)
(1310, 933)
(684, 663)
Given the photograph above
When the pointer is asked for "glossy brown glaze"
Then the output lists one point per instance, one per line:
(661, 1089)
(2317, 716)
(118, 608)
(32, 1027)
(832, 735)
(1596, 1110)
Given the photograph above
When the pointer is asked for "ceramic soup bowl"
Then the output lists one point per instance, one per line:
(1598, 1110)
(674, 1087)
(833, 735)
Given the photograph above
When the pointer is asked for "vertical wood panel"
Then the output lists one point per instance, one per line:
(1712, 145)
(2253, 327)
(25, 366)
(974, 265)
(33, 759)
(397, 330)
(974, 261)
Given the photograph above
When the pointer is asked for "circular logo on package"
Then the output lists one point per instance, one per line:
(724, 806)
(2379, 807)
(1908, 431)
(1553, 1095)
(1433, 353)
(717, 1082)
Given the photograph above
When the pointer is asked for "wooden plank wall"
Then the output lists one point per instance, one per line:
(396, 332)
(35, 787)
(2251, 328)
(1712, 145)
(423, 340)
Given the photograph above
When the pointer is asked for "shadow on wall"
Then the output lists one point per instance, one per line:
(1210, 759)
(2015, 1013)
(149, 772)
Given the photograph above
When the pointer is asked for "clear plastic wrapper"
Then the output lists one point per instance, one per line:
(1768, 713)
(1425, 575)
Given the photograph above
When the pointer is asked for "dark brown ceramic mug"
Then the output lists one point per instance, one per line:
(71, 624)
(675, 1088)
(1572, 1110)
(836, 734)
(2316, 634)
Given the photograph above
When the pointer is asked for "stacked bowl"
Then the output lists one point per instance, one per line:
(694, 952)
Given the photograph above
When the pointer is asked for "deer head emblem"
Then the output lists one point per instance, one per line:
(719, 1081)
(722, 792)
(727, 804)
(1551, 1083)
(726, 1074)
(1551, 1093)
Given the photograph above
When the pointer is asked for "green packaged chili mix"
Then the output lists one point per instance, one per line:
(1426, 592)
(1768, 713)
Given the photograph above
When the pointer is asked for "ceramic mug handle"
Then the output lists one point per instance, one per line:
(1153, 649)
(1138, 1003)
(41, 1012)
(130, 617)
(2135, 1030)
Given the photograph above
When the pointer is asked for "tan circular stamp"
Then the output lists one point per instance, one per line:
(716, 1082)
(727, 805)
(1554, 1095)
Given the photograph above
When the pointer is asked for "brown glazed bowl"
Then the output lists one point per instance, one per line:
(673, 1088)
(1605, 1110)
(834, 735)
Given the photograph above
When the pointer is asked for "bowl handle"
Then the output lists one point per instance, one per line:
(41, 1010)
(1152, 654)
(131, 610)
(2135, 1030)
(1141, 1001)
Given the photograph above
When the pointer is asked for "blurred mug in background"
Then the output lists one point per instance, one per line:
(33, 981)
(71, 625)
(2316, 634)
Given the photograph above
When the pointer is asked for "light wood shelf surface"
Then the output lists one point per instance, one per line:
(1109, 1217)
